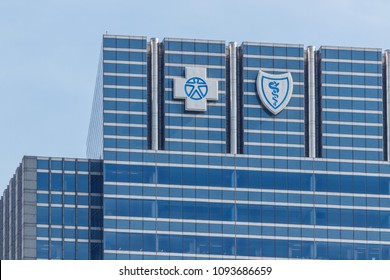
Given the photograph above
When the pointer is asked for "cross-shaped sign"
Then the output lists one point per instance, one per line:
(195, 88)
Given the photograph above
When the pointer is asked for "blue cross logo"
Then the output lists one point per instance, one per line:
(196, 88)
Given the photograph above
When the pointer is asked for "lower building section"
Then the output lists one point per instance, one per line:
(231, 207)
(56, 210)
(239, 207)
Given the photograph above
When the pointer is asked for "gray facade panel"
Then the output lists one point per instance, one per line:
(29, 208)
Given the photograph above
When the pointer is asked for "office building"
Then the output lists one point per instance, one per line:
(199, 149)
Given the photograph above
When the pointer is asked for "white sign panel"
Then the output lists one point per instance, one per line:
(195, 88)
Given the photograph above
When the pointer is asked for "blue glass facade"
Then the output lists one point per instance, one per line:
(265, 133)
(197, 132)
(351, 91)
(234, 181)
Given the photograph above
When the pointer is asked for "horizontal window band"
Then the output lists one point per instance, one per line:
(254, 81)
(125, 125)
(351, 98)
(124, 50)
(248, 236)
(351, 111)
(117, 99)
(223, 54)
(69, 193)
(294, 95)
(276, 132)
(246, 202)
(124, 62)
(273, 145)
(124, 112)
(259, 106)
(195, 41)
(221, 222)
(288, 170)
(125, 87)
(275, 57)
(259, 157)
(68, 227)
(250, 190)
(61, 206)
(195, 128)
(185, 255)
(180, 77)
(186, 115)
(360, 74)
(273, 120)
(350, 86)
(127, 37)
(201, 141)
(60, 239)
(217, 67)
(124, 75)
(281, 70)
(352, 123)
(286, 46)
(345, 148)
(70, 172)
(351, 61)
(352, 49)
(124, 137)
(359, 136)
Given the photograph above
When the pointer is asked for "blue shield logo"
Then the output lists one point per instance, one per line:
(275, 91)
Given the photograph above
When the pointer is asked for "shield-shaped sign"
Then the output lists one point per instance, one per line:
(275, 91)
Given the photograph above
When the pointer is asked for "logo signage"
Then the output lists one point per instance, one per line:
(275, 91)
(195, 88)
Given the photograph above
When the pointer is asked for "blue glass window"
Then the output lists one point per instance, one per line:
(96, 184)
(82, 166)
(69, 165)
(56, 250)
(42, 215)
(82, 183)
(42, 181)
(56, 181)
(69, 250)
(56, 165)
(42, 164)
(56, 216)
(82, 251)
(69, 216)
(82, 216)
(69, 182)
(42, 249)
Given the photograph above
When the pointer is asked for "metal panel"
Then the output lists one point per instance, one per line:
(312, 100)
(233, 97)
(387, 90)
(154, 99)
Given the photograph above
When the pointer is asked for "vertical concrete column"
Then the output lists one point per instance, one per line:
(154, 91)
(233, 97)
(29, 208)
(312, 100)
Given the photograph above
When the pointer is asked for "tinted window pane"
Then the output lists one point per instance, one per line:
(69, 182)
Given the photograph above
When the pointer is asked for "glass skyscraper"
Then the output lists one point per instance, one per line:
(199, 149)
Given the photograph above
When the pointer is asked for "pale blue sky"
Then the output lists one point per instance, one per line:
(49, 52)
